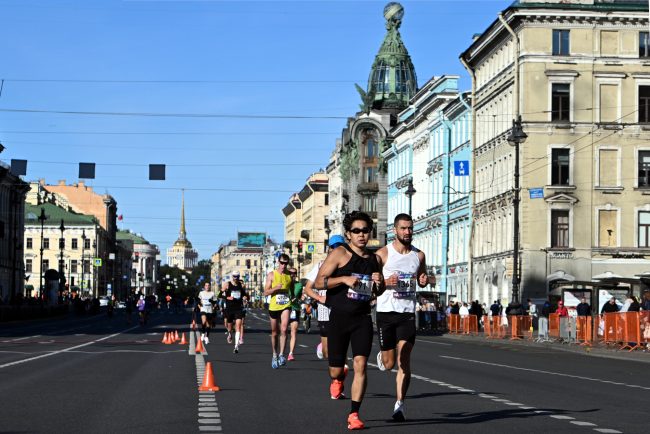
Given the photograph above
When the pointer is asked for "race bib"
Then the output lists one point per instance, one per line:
(292, 315)
(282, 299)
(236, 295)
(405, 287)
(362, 291)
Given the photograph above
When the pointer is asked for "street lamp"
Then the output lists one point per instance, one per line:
(516, 137)
(328, 231)
(83, 258)
(410, 191)
(61, 246)
(41, 218)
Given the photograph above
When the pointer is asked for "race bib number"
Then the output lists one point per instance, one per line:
(362, 291)
(292, 315)
(405, 287)
(236, 295)
(282, 299)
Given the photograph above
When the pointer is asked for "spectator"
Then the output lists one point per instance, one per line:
(583, 308)
(463, 310)
(455, 308)
(561, 310)
(646, 301)
(635, 306)
(610, 306)
(494, 309)
(532, 309)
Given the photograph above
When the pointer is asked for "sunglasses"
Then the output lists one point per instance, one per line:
(284, 262)
(357, 231)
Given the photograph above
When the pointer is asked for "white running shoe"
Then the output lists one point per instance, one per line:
(399, 411)
(319, 351)
(203, 337)
(206, 340)
(380, 363)
(236, 350)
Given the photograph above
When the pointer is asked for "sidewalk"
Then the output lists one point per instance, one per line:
(597, 350)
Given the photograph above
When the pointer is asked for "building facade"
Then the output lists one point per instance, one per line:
(144, 274)
(575, 71)
(12, 218)
(182, 254)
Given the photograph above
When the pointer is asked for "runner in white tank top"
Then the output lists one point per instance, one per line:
(404, 267)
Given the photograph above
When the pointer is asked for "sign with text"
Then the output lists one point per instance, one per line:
(536, 193)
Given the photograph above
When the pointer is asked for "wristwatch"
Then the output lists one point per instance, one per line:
(325, 283)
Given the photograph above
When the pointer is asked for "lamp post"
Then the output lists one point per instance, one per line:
(328, 231)
(515, 138)
(61, 263)
(41, 218)
(83, 257)
(410, 191)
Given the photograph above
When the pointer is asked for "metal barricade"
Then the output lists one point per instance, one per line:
(542, 330)
(568, 329)
(554, 326)
(584, 330)
(453, 323)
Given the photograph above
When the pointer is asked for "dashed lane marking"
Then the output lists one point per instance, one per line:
(303, 346)
(607, 430)
(207, 408)
(539, 371)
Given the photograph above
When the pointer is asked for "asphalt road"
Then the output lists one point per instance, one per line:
(92, 374)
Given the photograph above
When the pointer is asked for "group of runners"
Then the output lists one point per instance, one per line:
(346, 284)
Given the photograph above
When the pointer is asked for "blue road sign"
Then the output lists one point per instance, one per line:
(536, 193)
(461, 168)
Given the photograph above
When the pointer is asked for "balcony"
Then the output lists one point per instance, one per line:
(368, 187)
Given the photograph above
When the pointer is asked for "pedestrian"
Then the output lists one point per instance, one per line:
(532, 309)
(351, 275)
(583, 308)
(277, 286)
(141, 306)
(494, 308)
(635, 306)
(561, 310)
(463, 311)
(404, 269)
(610, 306)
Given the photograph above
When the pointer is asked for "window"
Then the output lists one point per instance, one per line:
(559, 228)
(86, 243)
(75, 244)
(371, 149)
(644, 104)
(369, 203)
(255, 264)
(61, 264)
(607, 235)
(607, 167)
(29, 243)
(46, 243)
(560, 166)
(86, 266)
(238, 262)
(327, 199)
(644, 51)
(560, 42)
(61, 243)
(370, 174)
(46, 264)
(560, 102)
(644, 229)
(644, 169)
(73, 266)
(28, 265)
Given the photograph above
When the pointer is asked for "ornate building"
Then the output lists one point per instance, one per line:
(181, 254)
(358, 163)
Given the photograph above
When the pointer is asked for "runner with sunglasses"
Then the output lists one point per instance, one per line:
(277, 286)
(404, 267)
(234, 294)
(351, 275)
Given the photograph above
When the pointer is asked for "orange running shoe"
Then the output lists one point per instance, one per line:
(336, 389)
(354, 422)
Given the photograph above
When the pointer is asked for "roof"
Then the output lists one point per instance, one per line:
(127, 235)
(54, 214)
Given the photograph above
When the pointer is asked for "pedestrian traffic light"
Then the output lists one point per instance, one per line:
(299, 246)
(248, 263)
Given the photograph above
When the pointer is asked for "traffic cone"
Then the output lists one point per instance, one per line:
(164, 341)
(183, 341)
(208, 380)
(170, 339)
(176, 338)
(199, 347)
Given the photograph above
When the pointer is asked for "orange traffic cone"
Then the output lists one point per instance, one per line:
(208, 380)
(199, 347)
(164, 341)
(170, 339)
(183, 341)
(176, 338)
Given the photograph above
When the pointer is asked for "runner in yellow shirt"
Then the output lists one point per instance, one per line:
(277, 285)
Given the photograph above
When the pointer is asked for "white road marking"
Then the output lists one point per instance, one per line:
(18, 362)
(21, 339)
(607, 430)
(580, 423)
(303, 346)
(434, 343)
(561, 417)
(579, 377)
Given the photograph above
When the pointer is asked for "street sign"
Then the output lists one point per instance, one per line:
(536, 193)
(461, 168)
(311, 248)
(97, 262)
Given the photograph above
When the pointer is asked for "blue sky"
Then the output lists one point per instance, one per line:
(263, 58)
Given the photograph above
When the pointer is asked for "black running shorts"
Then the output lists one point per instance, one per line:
(322, 326)
(346, 330)
(393, 327)
(277, 314)
(234, 314)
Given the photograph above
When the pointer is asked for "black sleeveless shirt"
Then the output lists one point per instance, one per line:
(237, 292)
(342, 298)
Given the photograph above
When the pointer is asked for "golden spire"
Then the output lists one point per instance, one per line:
(183, 234)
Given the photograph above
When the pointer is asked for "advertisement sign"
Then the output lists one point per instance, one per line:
(251, 239)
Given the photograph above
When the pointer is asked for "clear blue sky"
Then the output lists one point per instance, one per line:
(263, 58)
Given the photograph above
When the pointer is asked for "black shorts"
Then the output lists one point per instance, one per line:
(322, 325)
(346, 330)
(393, 327)
(297, 316)
(232, 315)
(277, 314)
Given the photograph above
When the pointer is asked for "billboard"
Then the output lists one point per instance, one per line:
(251, 239)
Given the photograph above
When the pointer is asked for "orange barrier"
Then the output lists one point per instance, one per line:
(584, 330)
(497, 331)
(470, 324)
(487, 327)
(622, 328)
(520, 327)
(453, 323)
(554, 326)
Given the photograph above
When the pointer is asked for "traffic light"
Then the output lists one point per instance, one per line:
(248, 263)
(300, 246)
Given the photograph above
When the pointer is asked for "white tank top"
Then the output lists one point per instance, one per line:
(400, 298)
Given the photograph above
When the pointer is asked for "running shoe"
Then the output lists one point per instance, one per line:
(345, 371)
(399, 412)
(290, 358)
(241, 341)
(380, 362)
(236, 350)
(319, 351)
(203, 336)
(282, 360)
(354, 422)
(274, 363)
(206, 340)
(336, 389)
(229, 338)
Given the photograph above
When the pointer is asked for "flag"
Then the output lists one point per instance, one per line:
(120, 217)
